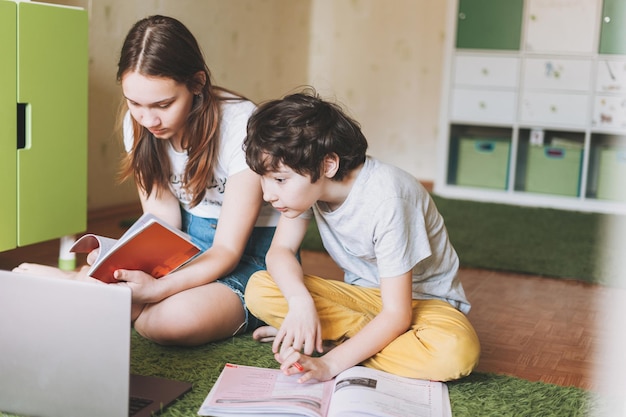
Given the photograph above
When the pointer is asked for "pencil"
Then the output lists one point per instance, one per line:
(298, 366)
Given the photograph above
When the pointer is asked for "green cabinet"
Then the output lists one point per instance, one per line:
(489, 24)
(8, 128)
(613, 31)
(44, 140)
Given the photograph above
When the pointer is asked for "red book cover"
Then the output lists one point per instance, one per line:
(150, 245)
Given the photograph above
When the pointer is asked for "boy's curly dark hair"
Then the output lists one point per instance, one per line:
(298, 131)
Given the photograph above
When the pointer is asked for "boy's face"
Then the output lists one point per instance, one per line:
(289, 192)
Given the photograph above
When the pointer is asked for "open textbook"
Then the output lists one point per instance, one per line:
(357, 391)
(149, 245)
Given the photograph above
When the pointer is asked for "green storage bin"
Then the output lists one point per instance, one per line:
(612, 174)
(483, 162)
(553, 170)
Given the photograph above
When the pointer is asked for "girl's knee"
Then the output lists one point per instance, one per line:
(156, 334)
(174, 328)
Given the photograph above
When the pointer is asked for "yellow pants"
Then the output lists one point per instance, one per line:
(441, 344)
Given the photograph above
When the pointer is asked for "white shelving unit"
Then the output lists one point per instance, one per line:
(532, 112)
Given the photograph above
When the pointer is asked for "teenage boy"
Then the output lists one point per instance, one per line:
(401, 307)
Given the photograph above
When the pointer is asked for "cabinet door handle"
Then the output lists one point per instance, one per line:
(21, 125)
(485, 147)
(554, 153)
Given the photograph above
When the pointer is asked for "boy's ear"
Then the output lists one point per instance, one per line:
(331, 165)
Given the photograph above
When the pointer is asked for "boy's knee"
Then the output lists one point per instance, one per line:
(260, 279)
(453, 342)
(258, 288)
(456, 359)
(437, 354)
(258, 283)
(264, 299)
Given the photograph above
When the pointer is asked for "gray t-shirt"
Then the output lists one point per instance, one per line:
(389, 225)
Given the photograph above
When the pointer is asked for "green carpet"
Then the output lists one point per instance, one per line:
(477, 395)
(538, 241)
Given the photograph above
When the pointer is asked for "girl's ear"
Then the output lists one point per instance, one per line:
(199, 81)
(331, 165)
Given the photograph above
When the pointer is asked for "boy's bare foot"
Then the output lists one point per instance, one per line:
(44, 270)
(265, 334)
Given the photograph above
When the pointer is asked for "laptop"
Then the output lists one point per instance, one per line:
(65, 351)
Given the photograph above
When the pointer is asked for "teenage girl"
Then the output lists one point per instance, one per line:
(183, 137)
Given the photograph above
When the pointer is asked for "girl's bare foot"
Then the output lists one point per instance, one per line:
(44, 271)
(81, 274)
(265, 334)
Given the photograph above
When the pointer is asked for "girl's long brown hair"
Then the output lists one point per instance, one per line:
(161, 46)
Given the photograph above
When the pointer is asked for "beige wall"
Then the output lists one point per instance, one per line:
(380, 59)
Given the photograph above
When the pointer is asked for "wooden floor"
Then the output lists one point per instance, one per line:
(535, 328)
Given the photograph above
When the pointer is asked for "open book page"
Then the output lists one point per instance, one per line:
(356, 392)
(361, 391)
(150, 245)
(245, 390)
(89, 242)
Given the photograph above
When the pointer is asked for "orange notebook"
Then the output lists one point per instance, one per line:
(150, 245)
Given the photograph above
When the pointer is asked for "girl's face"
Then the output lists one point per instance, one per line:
(159, 104)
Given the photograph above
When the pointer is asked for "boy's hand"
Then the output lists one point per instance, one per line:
(293, 362)
(301, 329)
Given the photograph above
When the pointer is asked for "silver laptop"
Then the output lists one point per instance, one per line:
(65, 351)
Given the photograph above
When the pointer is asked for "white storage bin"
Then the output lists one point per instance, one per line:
(485, 106)
(486, 71)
